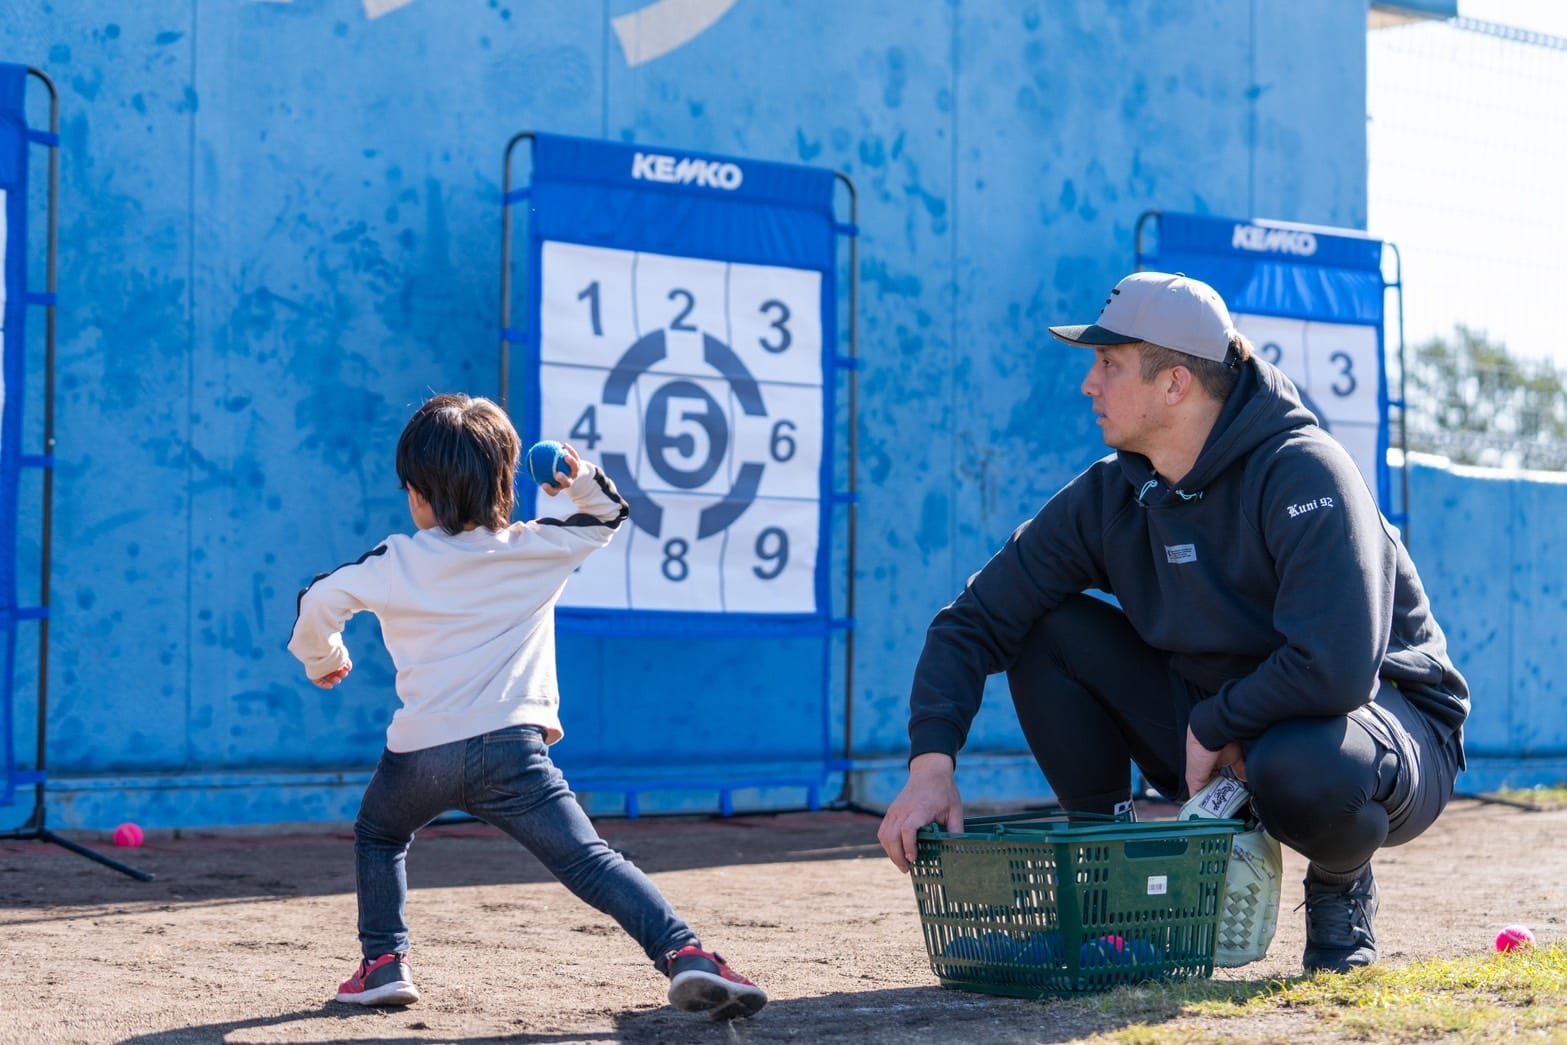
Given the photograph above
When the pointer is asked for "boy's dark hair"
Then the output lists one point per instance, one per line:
(461, 455)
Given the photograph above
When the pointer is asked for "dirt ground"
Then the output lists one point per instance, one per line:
(244, 939)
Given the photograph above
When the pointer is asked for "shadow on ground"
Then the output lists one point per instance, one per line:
(335, 1024)
(227, 868)
(878, 1017)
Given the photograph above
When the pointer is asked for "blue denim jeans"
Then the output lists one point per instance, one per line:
(506, 779)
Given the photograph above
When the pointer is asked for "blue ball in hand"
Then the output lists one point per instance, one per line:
(545, 459)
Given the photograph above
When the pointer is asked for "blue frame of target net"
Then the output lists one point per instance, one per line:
(14, 265)
(1304, 272)
(582, 191)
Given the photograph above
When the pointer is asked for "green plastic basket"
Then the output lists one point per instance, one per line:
(1046, 906)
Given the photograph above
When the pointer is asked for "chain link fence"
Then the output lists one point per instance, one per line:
(1467, 142)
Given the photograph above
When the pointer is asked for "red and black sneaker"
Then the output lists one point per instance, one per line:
(701, 981)
(384, 981)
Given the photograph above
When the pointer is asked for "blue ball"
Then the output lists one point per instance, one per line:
(1092, 955)
(1041, 949)
(1106, 950)
(997, 947)
(1145, 953)
(545, 459)
(963, 947)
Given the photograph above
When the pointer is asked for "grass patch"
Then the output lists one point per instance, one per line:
(1495, 998)
(1538, 798)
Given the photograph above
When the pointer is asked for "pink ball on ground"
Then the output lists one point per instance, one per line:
(1514, 938)
(128, 836)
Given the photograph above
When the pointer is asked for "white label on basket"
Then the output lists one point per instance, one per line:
(1158, 884)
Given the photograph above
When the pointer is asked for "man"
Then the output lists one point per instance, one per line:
(1270, 621)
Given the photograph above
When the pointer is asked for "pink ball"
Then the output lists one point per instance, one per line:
(129, 836)
(1514, 938)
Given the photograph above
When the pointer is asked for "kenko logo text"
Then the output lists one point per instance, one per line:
(1274, 241)
(707, 173)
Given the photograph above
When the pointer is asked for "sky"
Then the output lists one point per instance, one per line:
(1467, 142)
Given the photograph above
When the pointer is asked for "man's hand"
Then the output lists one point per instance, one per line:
(1203, 765)
(930, 796)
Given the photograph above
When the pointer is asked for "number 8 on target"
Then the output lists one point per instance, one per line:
(697, 385)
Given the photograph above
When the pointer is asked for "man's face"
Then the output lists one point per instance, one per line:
(1129, 409)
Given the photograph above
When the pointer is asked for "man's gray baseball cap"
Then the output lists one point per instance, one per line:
(1165, 309)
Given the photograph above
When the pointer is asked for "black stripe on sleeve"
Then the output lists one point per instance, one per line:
(584, 519)
(299, 599)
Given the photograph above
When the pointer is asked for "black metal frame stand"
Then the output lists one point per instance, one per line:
(36, 828)
(36, 831)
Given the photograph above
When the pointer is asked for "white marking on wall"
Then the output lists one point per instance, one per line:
(373, 8)
(665, 25)
(649, 33)
(376, 8)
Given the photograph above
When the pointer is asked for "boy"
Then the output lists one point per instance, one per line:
(466, 607)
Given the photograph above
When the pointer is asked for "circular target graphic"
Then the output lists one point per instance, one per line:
(685, 433)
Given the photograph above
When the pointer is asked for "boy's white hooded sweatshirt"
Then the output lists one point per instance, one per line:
(468, 619)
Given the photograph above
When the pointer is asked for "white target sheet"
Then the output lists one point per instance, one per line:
(1338, 371)
(697, 386)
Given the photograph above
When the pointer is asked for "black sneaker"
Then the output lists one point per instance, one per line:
(700, 981)
(1340, 924)
(384, 981)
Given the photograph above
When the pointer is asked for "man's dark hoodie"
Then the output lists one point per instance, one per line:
(1269, 576)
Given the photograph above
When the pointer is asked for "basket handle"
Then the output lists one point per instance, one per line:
(1000, 824)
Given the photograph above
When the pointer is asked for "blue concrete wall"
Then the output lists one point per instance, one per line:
(1493, 550)
(280, 232)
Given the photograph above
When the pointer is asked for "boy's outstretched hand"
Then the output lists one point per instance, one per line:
(328, 681)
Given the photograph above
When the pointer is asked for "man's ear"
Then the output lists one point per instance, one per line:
(1179, 386)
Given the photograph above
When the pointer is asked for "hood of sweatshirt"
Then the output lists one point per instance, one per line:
(1263, 405)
